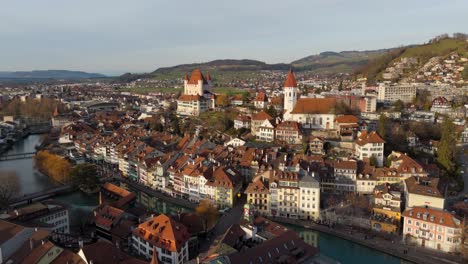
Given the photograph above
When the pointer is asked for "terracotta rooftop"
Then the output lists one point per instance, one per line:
(346, 119)
(163, 232)
(261, 97)
(260, 116)
(258, 187)
(189, 97)
(365, 138)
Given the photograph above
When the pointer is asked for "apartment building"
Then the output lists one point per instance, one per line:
(433, 228)
(370, 145)
(388, 93)
(163, 234)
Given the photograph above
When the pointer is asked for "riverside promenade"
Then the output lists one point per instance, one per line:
(393, 247)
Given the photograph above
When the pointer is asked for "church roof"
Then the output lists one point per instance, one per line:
(314, 106)
(290, 80)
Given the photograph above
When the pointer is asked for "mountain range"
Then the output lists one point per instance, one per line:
(49, 74)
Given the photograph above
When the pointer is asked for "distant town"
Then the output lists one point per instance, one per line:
(199, 169)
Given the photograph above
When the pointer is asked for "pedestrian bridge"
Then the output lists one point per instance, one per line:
(30, 198)
(26, 155)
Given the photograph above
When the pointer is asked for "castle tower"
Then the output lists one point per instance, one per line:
(290, 92)
(186, 80)
(196, 84)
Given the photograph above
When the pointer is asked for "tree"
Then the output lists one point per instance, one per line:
(222, 100)
(448, 141)
(398, 105)
(272, 111)
(382, 126)
(52, 165)
(373, 161)
(9, 187)
(245, 96)
(340, 86)
(84, 175)
(208, 212)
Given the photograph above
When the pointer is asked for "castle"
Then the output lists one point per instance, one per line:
(197, 97)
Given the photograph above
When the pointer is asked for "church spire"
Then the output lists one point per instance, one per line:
(56, 113)
(290, 79)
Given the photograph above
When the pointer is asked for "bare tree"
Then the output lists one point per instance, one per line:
(9, 187)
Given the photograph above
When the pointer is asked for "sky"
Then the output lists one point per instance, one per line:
(114, 36)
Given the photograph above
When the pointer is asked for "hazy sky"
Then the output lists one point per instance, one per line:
(113, 36)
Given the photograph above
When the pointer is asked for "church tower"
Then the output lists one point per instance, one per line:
(290, 92)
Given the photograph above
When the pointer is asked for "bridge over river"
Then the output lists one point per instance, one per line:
(17, 156)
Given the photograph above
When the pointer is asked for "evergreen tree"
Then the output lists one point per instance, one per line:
(448, 141)
(382, 126)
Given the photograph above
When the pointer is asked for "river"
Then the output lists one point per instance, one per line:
(30, 181)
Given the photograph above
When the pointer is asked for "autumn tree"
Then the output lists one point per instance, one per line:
(208, 212)
(448, 141)
(9, 187)
(222, 100)
(52, 165)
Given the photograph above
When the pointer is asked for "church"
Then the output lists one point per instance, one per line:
(197, 97)
(312, 113)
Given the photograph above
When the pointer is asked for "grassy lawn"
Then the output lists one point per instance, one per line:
(230, 91)
(145, 90)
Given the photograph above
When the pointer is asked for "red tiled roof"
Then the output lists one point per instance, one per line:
(163, 232)
(197, 76)
(365, 138)
(290, 80)
(189, 97)
(346, 119)
(440, 217)
(261, 116)
(261, 97)
(314, 106)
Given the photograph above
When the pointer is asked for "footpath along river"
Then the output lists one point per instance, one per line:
(31, 181)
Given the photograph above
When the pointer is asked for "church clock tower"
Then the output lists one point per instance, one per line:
(290, 92)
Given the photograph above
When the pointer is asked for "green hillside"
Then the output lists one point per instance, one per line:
(226, 71)
(374, 69)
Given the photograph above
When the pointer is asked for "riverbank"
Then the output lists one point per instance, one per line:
(391, 247)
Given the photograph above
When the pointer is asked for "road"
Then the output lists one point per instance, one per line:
(224, 222)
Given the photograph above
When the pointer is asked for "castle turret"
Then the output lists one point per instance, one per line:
(290, 92)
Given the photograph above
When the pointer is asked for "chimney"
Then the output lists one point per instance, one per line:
(80, 245)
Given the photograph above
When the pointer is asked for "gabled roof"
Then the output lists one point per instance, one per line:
(163, 232)
(257, 187)
(261, 97)
(436, 216)
(261, 116)
(290, 80)
(365, 138)
(314, 106)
